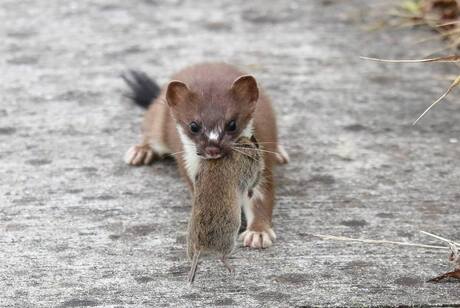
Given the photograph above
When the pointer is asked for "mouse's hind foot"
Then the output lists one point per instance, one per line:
(227, 265)
(191, 276)
(192, 273)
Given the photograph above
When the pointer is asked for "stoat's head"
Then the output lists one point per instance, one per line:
(213, 117)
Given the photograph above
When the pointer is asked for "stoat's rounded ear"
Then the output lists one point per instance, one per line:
(177, 93)
(245, 89)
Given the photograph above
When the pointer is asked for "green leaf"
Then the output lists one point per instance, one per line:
(412, 6)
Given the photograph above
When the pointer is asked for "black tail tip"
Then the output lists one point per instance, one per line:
(143, 90)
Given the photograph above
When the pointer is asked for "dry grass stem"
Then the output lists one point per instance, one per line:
(371, 241)
(440, 238)
(451, 87)
(446, 59)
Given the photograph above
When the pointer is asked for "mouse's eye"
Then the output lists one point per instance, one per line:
(231, 126)
(195, 127)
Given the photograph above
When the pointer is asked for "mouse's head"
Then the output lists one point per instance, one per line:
(212, 120)
(250, 162)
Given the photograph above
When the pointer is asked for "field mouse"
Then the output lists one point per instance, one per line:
(220, 184)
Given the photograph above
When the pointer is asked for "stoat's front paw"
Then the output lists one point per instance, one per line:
(258, 239)
(139, 155)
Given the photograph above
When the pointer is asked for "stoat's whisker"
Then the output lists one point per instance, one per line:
(172, 154)
(261, 142)
(242, 153)
(189, 143)
(245, 154)
(259, 150)
(265, 142)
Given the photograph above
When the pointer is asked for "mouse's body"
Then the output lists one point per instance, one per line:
(216, 213)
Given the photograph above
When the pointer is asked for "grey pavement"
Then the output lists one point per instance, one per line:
(80, 228)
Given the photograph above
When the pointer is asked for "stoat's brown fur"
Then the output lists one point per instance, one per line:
(212, 95)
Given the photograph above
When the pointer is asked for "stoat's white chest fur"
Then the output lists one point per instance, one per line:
(192, 160)
(248, 130)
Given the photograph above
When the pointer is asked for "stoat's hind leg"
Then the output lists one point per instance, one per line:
(282, 157)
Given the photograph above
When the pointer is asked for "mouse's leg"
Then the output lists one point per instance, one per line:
(191, 274)
(227, 265)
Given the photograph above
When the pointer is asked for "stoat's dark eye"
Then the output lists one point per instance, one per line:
(231, 126)
(195, 127)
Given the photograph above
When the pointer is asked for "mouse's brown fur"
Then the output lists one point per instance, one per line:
(216, 212)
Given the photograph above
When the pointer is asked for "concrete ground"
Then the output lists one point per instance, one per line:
(81, 228)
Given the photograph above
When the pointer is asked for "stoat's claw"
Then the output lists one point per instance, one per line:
(258, 239)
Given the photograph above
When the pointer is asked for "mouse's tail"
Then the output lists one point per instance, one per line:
(143, 89)
(191, 275)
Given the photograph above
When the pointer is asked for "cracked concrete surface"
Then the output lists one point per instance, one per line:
(80, 228)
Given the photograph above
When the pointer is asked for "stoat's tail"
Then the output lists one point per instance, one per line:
(191, 275)
(143, 89)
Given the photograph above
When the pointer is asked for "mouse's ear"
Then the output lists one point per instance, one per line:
(245, 89)
(177, 93)
(254, 140)
(197, 177)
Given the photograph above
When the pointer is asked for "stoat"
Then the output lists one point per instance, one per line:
(199, 115)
